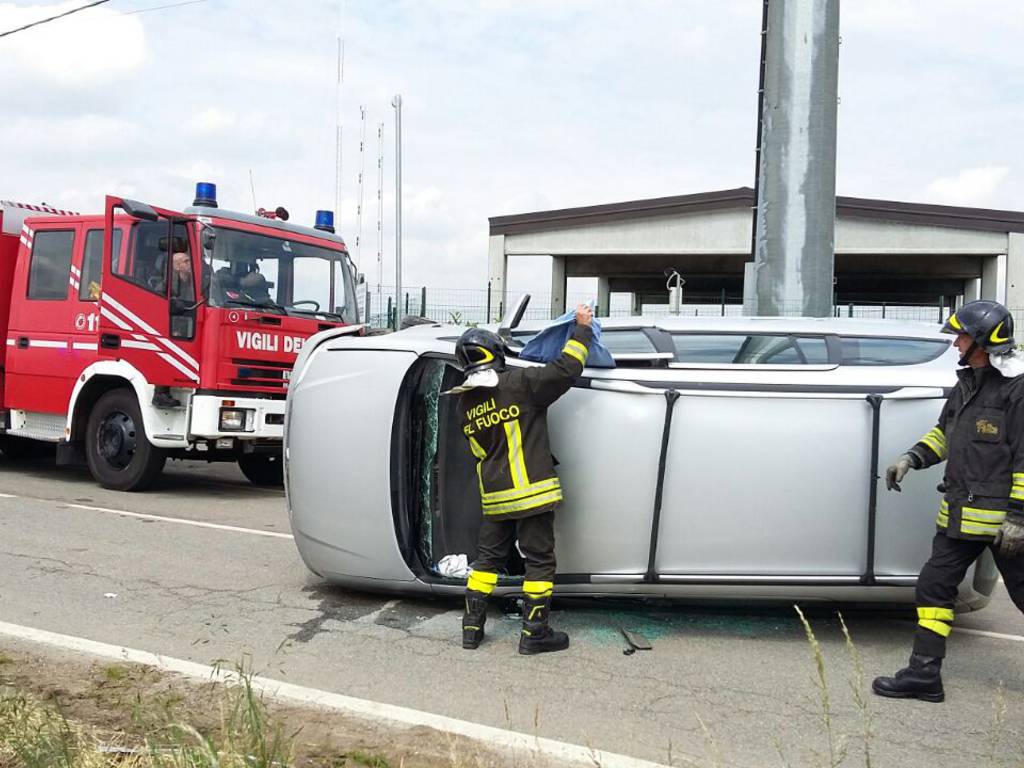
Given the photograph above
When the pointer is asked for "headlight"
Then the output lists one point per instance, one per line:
(233, 419)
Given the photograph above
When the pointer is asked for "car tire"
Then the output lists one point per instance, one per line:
(264, 470)
(118, 452)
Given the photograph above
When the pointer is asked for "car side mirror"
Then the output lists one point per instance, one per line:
(138, 210)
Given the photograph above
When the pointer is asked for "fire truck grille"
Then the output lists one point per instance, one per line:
(261, 373)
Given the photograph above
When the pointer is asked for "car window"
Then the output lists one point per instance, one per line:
(860, 350)
(49, 271)
(145, 263)
(627, 342)
(750, 349)
(89, 288)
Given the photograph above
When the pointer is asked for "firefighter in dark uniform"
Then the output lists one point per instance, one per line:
(980, 435)
(504, 418)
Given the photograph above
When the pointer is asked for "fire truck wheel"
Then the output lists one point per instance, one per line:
(119, 454)
(262, 469)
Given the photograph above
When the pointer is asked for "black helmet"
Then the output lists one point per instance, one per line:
(989, 323)
(480, 350)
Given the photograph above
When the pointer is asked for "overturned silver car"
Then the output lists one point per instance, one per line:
(724, 458)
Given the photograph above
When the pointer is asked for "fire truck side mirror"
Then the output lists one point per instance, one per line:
(139, 210)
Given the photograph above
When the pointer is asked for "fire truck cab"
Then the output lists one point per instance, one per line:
(144, 334)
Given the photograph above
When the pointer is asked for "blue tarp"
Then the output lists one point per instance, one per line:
(547, 345)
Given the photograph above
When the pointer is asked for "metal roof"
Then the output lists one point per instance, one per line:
(922, 214)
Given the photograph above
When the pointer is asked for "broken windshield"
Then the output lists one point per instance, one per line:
(277, 274)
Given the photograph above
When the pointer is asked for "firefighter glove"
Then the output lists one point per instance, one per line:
(897, 471)
(1010, 539)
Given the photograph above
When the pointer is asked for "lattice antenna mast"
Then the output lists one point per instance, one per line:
(362, 169)
(338, 130)
(380, 212)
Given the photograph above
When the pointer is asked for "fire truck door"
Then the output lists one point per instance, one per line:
(40, 374)
(148, 302)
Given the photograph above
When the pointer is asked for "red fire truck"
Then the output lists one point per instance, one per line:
(144, 334)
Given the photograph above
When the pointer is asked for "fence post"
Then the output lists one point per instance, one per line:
(849, 309)
(723, 302)
(423, 301)
(942, 304)
(883, 310)
(488, 316)
(390, 323)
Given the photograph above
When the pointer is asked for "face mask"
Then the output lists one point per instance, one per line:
(1009, 364)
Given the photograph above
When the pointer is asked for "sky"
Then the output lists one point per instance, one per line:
(509, 106)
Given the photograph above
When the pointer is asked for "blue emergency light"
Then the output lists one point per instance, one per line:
(324, 221)
(206, 194)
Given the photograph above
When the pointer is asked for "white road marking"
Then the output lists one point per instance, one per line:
(7, 496)
(364, 709)
(986, 633)
(180, 521)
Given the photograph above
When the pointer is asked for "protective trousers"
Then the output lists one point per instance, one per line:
(536, 535)
(937, 588)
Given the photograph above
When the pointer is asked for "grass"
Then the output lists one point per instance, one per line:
(37, 733)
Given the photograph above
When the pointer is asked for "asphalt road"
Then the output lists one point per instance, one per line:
(69, 564)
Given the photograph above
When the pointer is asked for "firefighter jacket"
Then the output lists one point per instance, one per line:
(980, 435)
(507, 431)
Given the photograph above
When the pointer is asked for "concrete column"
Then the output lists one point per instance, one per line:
(972, 289)
(604, 297)
(558, 285)
(636, 307)
(1015, 273)
(497, 275)
(993, 278)
(795, 228)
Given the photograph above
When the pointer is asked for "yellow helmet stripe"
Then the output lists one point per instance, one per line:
(487, 355)
(995, 338)
(955, 323)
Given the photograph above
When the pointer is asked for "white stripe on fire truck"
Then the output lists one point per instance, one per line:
(76, 271)
(47, 344)
(85, 345)
(11, 343)
(26, 242)
(115, 319)
(151, 330)
(171, 361)
(140, 345)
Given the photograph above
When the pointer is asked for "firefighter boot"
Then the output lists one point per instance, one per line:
(537, 636)
(921, 679)
(473, 619)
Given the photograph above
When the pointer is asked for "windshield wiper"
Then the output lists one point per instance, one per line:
(268, 304)
(316, 312)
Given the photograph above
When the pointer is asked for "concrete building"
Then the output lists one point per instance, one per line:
(885, 251)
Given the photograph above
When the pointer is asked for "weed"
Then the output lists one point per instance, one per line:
(836, 745)
(115, 673)
(368, 760)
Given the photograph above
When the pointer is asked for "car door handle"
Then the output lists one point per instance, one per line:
(110, 341)
(23, 342)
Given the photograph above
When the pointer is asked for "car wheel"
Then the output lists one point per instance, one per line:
(119, 454)
(262, 469)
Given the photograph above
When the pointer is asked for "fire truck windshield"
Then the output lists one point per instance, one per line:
(277, 274)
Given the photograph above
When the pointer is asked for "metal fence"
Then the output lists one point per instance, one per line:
(468, 306)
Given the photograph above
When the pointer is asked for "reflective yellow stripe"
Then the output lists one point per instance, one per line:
(936, 440)
(1018, 478)
(538, 588)
(1017, 493)
(521, 493)
(938, 627)
(516, 462)
(942, 614)
(482, 581)
(982, 515)
(524, 504)
(978, 529)
(480, 455)
(579, 347)
(573, 352)
(955, 323)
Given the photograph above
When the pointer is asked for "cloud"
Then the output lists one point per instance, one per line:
(971, 187)
(210, 120)
(79, 49)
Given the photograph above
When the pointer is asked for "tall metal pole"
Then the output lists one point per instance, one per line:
(795, 229)
(397, 104)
